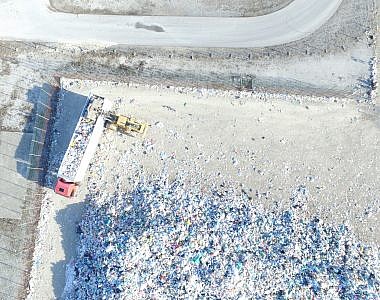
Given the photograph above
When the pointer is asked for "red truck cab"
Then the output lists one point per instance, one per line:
(66, 189)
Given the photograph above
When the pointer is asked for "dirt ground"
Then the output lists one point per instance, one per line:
(214, 8)
(265, 149)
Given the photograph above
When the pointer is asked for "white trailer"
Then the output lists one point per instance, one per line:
(82, 145)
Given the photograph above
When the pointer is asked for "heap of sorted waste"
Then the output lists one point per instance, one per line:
(169, 241)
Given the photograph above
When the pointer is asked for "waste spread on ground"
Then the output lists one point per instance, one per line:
(168, 240)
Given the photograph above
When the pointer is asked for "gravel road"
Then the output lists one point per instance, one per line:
(32, 20)
(200, 8)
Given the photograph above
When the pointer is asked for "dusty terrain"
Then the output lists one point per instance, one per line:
(219, 8)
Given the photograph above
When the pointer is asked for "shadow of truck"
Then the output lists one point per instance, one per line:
(68, 110)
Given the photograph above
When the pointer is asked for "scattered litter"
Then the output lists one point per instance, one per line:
(148, 145)
(299, 196)
(159, 124)
(169, 107)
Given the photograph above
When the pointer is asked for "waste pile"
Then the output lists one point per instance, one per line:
(77, 147)
(171, 240)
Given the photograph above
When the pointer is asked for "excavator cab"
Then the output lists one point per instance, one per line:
(126, 125)
(64, 188)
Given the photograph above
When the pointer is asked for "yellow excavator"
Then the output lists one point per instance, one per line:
(126, 125)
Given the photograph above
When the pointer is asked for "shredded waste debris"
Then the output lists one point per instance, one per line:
(77, 147)
(170, 240)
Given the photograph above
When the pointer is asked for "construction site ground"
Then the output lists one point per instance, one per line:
(266, 149)
(263, 147)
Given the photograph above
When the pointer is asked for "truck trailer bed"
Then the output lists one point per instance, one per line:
(84, 140)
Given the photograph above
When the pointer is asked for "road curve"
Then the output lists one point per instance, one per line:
(33, 20)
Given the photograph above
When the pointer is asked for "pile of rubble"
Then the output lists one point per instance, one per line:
(169, 240)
